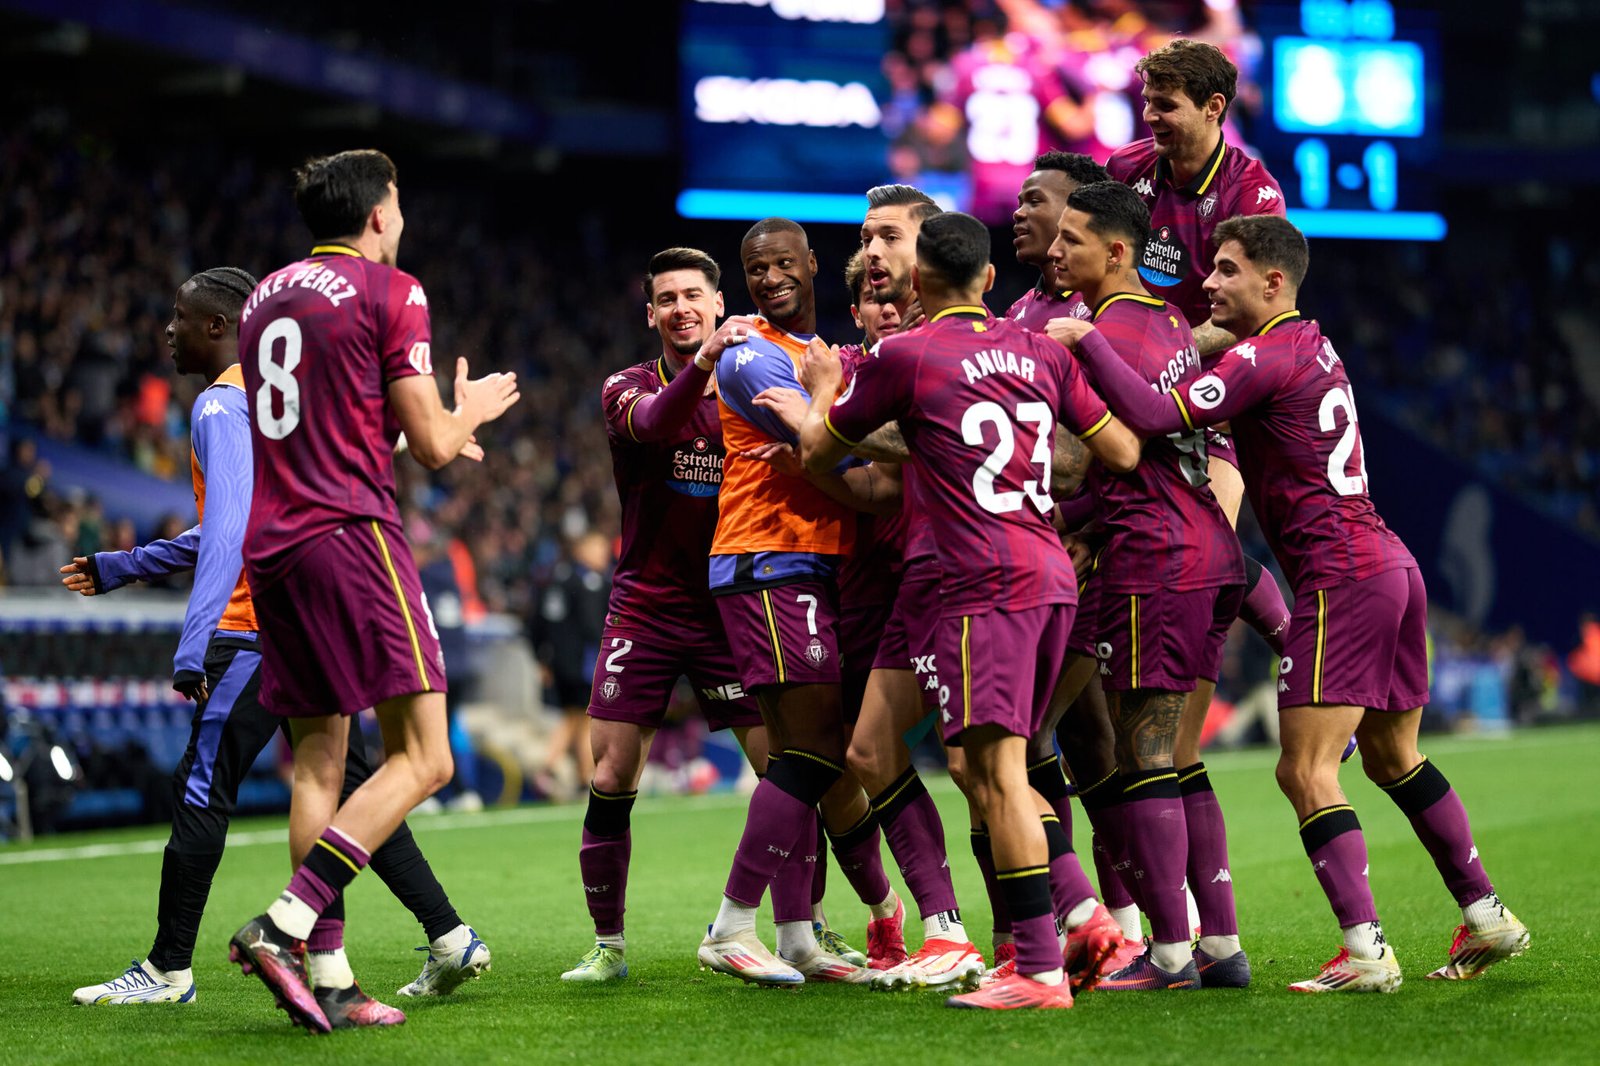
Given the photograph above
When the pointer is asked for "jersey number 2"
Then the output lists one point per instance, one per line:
(1338, 399)
(278, 378)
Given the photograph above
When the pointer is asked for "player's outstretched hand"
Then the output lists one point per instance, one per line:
(484, 399)
(1068, 331)
(734, 331)
(788, 404)
(820, 369)
(81, 576)
(779, 456)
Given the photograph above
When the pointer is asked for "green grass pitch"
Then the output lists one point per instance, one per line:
(69, 918)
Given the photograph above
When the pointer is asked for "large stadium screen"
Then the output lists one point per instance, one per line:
(795, 107)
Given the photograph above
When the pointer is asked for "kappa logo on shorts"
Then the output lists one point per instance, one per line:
(1283, 669)
(610, 689)
(816, 653)
(1102, 651)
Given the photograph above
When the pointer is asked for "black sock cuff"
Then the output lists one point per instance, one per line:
(1252, 574)
(1048, 779)
(981, 845)
(1418, 790)
(1150, 784)
(1055, 836)
(1103, 793)
(608, 813)
(904, 791)
(1193, 779)
(1026, 891)
(805, 775)
(1320, 827)
(856, 834)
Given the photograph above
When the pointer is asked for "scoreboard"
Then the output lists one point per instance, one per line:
(784, 111)
(1352, 91)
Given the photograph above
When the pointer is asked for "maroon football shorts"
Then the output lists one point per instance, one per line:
(635, 673)
(1362, 644)
(1086, 623)
(347, 627)
(861, 630)
(788, 635)
(1163, 640)
(909, 631)
(1000, 668)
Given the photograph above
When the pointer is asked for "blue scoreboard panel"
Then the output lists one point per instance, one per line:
(781, 112)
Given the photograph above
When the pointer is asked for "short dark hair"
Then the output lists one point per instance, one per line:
(922, 205)
(1075, 165)
(954, 246)
(669, 259)
(336, 193)
(774, 225)
(1114, 210)
(1268, 241)
(1195, 68)
(855, 275)
(221, 291)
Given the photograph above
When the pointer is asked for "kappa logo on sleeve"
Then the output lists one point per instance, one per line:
(1143, 187)
(748, 355)
(418, 298)
(1246, 351)
(1266, 194)
(212, 407)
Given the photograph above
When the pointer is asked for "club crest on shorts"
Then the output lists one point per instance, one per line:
(610, 689)
(815, 652)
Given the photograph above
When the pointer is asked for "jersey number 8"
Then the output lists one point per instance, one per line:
(278, 378)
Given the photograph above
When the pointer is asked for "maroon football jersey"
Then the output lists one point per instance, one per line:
(1035, 308)
(319, 342)
(977, 399)
(669, 513)
(1293, 414)
(870, 574)
(1166, 530)
(1179, 257)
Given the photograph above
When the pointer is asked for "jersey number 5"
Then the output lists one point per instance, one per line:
(278, 378)
(989, 413)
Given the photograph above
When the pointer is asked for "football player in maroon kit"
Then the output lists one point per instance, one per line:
(336, 356)
(1169, 579)
(661, 623)
(1005, 580)
(1357, 654)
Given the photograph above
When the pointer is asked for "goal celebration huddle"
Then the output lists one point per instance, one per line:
(1014, 527)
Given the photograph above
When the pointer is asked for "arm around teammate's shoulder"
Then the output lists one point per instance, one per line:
(436, 436)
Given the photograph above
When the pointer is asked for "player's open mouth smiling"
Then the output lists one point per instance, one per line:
(774, 295)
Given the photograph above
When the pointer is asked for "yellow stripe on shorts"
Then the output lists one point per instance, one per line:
(772, 631)
(1322, 645)
(405, 611)
(1133, 626)
(966, 671)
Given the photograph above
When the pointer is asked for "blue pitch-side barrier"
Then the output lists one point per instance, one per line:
(1487, 555)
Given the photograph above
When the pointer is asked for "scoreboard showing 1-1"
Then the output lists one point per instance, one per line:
(1348, 128)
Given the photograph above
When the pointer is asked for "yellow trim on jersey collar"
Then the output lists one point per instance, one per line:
(335, 249)
(1197, 185)
(661, 370)
(961, 309)
(1141, 298)
(1286, 316)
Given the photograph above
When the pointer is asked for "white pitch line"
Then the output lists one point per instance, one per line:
(423, 824)
(1225, 761)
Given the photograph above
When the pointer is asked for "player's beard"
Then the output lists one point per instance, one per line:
(687, 348)
(898, 292)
